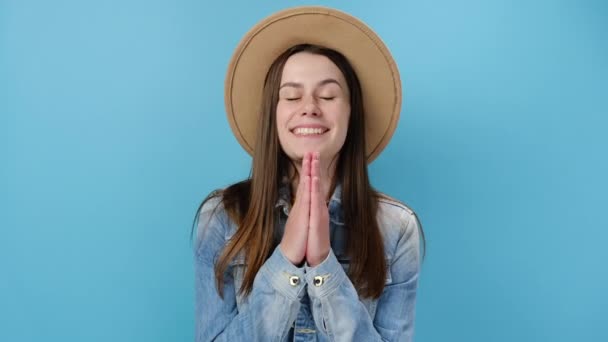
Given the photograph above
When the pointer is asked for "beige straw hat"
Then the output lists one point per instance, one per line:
(371, 59)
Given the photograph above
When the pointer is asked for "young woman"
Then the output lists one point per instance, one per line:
(305, 249)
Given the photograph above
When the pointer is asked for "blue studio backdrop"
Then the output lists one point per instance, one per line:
(112, 130)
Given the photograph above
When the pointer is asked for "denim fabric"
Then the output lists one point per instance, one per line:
(320, 303)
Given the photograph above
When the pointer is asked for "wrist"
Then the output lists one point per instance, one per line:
(294, 260)
(314, 261)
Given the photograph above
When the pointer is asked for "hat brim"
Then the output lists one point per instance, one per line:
(370, 58)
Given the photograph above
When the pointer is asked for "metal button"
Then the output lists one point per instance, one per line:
(294, 280)
(318, 281)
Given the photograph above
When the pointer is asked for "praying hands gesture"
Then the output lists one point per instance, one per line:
(306, 234)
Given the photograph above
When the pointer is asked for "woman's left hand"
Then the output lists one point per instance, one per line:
(318, 245)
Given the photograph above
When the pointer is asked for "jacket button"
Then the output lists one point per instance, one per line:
(294, 280)
(317, 281)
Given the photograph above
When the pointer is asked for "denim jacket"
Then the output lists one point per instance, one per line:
(289, 303)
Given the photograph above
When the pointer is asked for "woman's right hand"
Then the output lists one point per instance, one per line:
(295, 237)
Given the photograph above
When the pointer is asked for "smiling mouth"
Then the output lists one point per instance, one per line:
(305, 132)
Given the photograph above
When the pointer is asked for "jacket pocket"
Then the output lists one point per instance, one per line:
(369, 303)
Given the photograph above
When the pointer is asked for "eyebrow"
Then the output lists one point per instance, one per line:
(299, 85)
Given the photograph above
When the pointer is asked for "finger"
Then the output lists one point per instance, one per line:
(301, 183)
(305, 167)
(314, 202)
(314, 168)
(308, 157)
(306, 198)
(316, 171)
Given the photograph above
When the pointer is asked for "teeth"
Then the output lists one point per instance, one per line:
(308, 131)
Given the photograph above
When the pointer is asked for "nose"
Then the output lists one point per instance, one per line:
(310, 107)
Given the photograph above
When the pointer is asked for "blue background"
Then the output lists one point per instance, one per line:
(112, 129)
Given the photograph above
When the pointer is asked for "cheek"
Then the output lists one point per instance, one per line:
(282, 116)
(343, 119)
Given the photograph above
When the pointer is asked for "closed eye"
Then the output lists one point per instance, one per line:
(328, 98)
(292, 98)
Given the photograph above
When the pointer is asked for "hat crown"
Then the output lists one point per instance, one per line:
(327, 27)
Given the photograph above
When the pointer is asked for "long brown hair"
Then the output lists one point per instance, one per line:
(251, 203)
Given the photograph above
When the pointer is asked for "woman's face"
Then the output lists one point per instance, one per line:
(313, 108)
